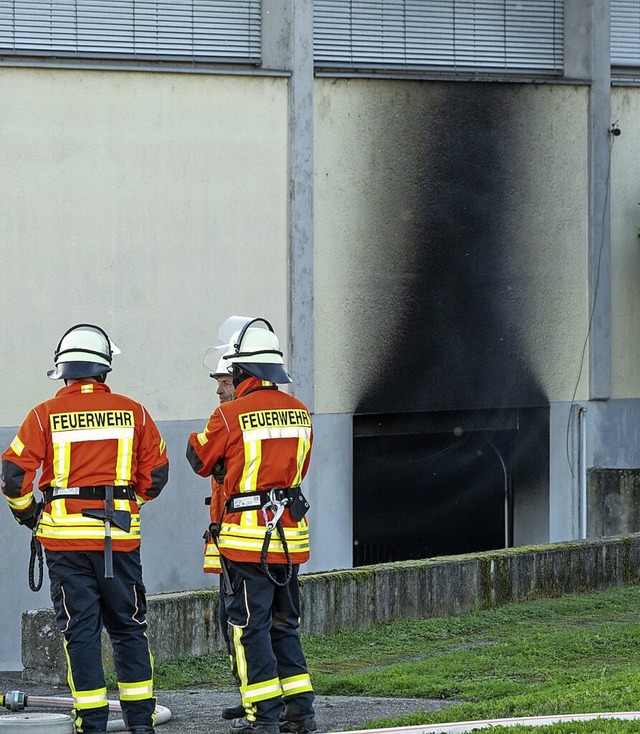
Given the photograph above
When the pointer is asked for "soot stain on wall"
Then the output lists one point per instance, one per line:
(459, 343)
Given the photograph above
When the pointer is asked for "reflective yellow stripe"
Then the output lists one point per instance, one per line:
(86, 388)
(252, 461)
(138, 691)
(296, 684)
(240, 537)
(17, 446)
(20, 503)
(62, 526)
(211, 558)
(262, 691)
(61, 456)
(255, 547)
(123, 464)
(82, 435)
(241, 660)
(91, 699)
(304, 444)
(202, 438)
(163, 446)
(264, 434)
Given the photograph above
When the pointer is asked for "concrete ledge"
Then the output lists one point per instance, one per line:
(182, 624)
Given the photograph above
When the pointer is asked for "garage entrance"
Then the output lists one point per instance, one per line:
(447, 483)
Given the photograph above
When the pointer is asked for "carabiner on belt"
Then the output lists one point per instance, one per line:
(277, 507)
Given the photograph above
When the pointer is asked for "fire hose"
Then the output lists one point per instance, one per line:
(18, 701)
(461, 727)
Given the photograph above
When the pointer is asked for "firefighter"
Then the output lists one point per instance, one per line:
(264, 437)
(102, 457)
(225, 392)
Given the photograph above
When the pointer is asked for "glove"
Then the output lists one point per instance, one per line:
(219, 471)
(30, 516)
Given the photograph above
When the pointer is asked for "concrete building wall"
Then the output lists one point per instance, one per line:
(625, 244)
(153, 204)
(446, 242)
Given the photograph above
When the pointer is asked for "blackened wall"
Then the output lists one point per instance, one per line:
(450, 245)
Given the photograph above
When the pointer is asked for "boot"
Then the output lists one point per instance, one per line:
(233, 712)
(142, 730)
(244, 726)
(297, 718)
(299, 724)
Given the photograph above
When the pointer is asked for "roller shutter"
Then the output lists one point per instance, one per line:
(503, 35)
(207, 30)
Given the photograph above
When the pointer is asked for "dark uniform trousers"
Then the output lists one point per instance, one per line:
(84, 601)
(264, 622)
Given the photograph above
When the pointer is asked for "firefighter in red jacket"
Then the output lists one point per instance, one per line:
(264, 437)
(102, 457)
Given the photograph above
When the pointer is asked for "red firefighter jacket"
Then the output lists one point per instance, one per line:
(264, 437)
(85, 436)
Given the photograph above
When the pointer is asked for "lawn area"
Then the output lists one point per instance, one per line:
(575, 654)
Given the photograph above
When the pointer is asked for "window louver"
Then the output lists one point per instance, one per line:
(208, 30)
(454, 34)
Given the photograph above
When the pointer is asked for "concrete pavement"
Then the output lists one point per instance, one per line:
(197, 710)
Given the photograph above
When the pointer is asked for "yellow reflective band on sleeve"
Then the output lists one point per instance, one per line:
(20, 503)
(138, 691)
(262, 691)
(163, 446)
(17, 446)
(202, 438)
(90, 699)
(296, 684)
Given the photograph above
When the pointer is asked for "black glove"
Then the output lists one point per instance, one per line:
(219, 471)
(30, 516)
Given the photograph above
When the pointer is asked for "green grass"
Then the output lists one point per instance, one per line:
(569, 655)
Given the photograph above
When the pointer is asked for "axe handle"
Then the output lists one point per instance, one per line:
(108, 551)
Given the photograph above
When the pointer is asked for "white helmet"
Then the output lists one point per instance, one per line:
(212, 360)
(222, 368)
(256, 350)
(84, 350)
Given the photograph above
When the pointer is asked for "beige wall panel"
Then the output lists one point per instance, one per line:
(625, 244)
(152, 204)
(413, 181)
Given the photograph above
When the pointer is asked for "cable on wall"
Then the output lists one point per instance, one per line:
(614, 132)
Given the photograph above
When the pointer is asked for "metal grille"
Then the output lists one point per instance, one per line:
(503, 35)
(208, 30)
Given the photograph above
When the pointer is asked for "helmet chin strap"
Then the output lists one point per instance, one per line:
(238, 375)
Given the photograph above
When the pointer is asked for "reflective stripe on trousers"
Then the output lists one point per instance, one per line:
(84, 602)
(264, 623)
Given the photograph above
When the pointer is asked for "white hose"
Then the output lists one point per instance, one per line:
(163, 714)
(466, 726)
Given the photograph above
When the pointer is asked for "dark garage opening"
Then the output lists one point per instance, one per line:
(442, 484)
